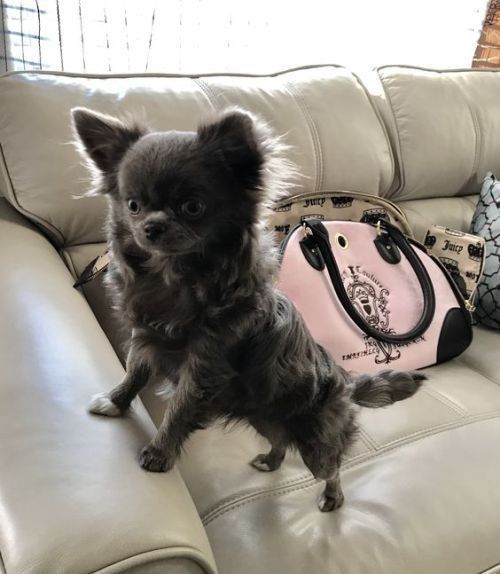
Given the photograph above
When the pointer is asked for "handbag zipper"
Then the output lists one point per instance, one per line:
(469, 302)
(392, 207)
(465, 303)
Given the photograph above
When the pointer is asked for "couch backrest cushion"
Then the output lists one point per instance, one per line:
(338, 140)
(445, 128)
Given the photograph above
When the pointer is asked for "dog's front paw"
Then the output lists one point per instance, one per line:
(153, 459)
(101, 404)
(327, 503)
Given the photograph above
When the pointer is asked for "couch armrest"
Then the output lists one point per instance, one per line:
(73, 498)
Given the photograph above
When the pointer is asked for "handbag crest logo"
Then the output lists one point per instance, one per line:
(370, 298)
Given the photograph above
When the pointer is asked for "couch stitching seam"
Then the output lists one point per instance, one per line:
(197, 557)
(279, 485)
(367, 439)
(409, 67)
(66, 257)
(68, 260)
(489, 569)
(207, 91)
(104, 76)
(385, 129)
(260, 497)
(388, 447)
(476, 370)
(477, 133)
(318, 157)
(438, 395)
(54, 231)
(399, 150)
(429, 430)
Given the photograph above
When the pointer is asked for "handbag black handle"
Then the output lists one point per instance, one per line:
(320, 235)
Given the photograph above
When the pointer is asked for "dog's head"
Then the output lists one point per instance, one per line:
(178, 192)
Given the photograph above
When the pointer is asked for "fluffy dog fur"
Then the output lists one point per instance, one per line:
(191, 276)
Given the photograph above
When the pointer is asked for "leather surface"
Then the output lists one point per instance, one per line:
(421, 477)
(444, 126)
(407, 512)
(73, 498)
(455, 213)
(77, 258)
(420, 484)
(40, 171)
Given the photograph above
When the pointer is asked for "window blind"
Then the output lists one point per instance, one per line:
(199, 36)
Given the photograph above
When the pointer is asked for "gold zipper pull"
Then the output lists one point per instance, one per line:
(469, 305)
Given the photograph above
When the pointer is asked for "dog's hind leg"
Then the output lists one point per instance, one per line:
(277, 437)
(270, 461)
(332, 497)
(324, 462)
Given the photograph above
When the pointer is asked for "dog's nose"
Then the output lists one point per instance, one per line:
(154, 229)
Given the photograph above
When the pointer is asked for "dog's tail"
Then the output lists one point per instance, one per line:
(386, 387)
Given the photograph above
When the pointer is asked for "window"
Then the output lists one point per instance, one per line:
(261, 36)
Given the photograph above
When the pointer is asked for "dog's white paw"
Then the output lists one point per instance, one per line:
(101, 404)
(329, 503)
(261, 462)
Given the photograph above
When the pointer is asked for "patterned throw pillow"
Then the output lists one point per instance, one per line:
(486, 223)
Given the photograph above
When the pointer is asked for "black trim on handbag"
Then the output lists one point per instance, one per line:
(320, 235)
(372, 296)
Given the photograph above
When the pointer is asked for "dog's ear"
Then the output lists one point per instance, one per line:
(104, 139)
(234, 136)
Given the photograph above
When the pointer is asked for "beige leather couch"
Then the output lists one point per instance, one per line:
(422, 483)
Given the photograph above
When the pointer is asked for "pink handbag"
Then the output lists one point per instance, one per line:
(372, 297)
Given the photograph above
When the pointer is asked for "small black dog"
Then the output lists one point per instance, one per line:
(192, 274)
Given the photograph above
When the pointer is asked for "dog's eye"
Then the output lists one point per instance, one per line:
(193, 208)
(133, 206)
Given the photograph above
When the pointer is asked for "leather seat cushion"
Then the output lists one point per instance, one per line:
(72, 496)
(415, 481)
(420, 483)
(444, 128)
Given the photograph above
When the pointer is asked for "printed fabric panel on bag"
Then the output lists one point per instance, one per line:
(461, 253)
(333, 206)
(371, 298)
